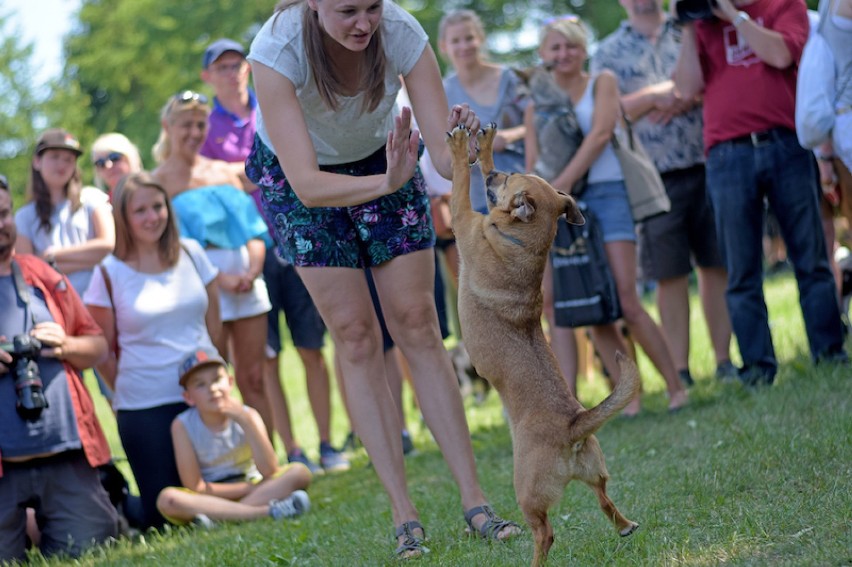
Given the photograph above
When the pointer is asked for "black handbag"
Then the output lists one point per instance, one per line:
(584, 291)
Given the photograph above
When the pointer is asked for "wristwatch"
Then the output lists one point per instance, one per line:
(741, 17)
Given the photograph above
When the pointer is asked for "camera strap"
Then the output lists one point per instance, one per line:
(23, 291)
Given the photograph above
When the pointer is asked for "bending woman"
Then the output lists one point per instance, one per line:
(337, 171)
(158, 301)
(212, 208)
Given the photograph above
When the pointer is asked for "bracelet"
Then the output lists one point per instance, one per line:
(741, 17)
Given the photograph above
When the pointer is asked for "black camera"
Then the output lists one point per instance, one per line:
(28, 385)
(691, 10)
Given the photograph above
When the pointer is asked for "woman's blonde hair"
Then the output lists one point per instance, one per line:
(328, 85)
(115, 142)
(570, 26)
(169, 245)
(462, 16)
(181, 102)
(39, 193)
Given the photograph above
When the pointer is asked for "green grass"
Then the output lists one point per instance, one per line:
(738, 478)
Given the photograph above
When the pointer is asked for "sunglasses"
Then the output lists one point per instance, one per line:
(186, 97)
(111, 158)
(573, 18)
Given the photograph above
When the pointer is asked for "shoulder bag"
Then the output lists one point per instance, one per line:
(584, 291)
(645, 189)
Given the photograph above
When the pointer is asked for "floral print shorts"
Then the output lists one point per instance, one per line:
(360, 236)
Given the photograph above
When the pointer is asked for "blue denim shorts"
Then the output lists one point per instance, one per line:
(359, 236)
(608, 200)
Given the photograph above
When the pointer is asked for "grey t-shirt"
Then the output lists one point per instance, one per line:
(344, 135)
(56, 429)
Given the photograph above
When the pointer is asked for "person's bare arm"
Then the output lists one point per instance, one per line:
(190, 471)
(108, 367)
(768, 45)
(434, 116)
(688, 77)
(292, 143)
(87, 255)
(80, 352)
(256, 435)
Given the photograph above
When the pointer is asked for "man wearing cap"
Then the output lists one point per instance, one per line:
(50, 439)
(229, 139)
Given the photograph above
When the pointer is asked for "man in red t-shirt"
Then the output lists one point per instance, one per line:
(745, 62)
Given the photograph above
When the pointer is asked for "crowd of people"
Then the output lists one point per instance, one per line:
(279, 200)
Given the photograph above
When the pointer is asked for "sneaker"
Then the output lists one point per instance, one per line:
(291, 507)
(686, 377)
(298, 456)
(726, 371)
(332, 460)
(407, 443)
(203, 521)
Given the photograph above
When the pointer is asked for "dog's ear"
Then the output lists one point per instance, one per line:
(522, 206)
(571, 210)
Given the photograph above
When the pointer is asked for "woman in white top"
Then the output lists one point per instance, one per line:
(344, 196)
(595, 100)
(159, 300)
(71, 230)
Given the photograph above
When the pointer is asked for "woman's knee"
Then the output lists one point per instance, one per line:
(416, 325)
(356, 340)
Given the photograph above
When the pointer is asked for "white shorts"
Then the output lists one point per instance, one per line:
(233, 306)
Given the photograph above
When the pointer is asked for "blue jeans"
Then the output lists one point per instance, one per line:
(739, 176)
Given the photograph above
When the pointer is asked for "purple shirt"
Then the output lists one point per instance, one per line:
(229, 137)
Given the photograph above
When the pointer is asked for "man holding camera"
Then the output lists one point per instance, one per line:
(50, 439)
(745, 59)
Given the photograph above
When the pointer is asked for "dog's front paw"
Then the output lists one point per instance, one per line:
(458, 142)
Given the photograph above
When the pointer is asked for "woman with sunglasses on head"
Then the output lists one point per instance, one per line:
(212, 208)
(67, 225)
(156, 298)
(114, 156)
(595, 100)
(338, 171)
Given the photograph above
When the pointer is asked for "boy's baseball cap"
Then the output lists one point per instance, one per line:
(215, 50)
(195, 360)
(57, 139)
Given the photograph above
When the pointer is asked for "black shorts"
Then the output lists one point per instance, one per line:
(670, 243)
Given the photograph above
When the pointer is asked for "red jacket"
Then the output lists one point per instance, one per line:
(67, 309)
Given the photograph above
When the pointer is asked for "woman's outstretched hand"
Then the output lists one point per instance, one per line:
(401, 151)
(462, 115)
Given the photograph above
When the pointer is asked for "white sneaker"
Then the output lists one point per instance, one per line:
(291, 507)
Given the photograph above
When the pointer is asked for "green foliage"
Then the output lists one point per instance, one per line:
(19, 107)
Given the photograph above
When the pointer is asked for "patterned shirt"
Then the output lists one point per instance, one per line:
(637, 63)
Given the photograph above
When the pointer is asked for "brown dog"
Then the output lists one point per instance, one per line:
(503, 255)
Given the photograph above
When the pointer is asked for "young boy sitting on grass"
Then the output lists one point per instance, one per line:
(226, 462)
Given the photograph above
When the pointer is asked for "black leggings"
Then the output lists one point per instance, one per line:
(147, 440)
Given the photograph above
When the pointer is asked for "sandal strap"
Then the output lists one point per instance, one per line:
(406, 529)
(493, 524)
(411, 541)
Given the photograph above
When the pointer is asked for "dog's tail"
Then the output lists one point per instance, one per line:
(627, 386)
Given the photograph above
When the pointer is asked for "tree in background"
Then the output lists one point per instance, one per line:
(123, 60)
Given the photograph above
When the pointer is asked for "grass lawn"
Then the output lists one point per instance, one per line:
(739, 478)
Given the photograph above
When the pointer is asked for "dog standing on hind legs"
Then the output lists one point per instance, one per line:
(503, 255)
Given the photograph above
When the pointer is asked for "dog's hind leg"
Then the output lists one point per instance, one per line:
(624, 526)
